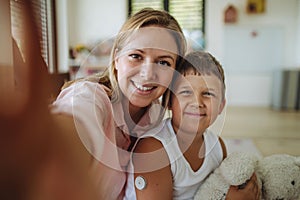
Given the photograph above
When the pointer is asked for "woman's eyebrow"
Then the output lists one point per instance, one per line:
(160, 57)
(135, 49)
(130, 51)
(140, 50)
(167, 56)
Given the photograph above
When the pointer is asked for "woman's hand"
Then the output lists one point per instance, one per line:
(251, 191)
(41, 155)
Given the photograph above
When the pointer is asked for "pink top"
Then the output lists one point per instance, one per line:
(101, 125)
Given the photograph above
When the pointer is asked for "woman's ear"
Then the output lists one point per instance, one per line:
(116, 59)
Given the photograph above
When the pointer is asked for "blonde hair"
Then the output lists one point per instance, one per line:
(143, 18)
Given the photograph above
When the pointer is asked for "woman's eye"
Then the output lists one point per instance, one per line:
(135, 56)
(165, 63)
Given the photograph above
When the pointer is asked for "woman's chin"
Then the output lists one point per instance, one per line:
(139, 102)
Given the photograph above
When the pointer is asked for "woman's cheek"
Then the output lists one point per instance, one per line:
(166, 77)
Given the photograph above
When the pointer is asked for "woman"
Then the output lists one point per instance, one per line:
(112, 110)
(43, 158)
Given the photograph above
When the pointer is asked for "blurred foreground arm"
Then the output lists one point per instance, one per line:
(41, 154)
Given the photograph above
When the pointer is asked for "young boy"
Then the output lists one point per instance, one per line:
(172, 160)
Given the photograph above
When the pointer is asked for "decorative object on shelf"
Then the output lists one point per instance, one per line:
(231, 14)
(254, 34)
(255, 6)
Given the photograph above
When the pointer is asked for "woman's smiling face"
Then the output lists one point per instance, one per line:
(145, 67)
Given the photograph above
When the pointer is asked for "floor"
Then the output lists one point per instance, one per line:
(272, 131)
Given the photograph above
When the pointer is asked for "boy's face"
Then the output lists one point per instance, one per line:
(197, 100)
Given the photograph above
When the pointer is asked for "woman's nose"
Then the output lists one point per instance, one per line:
(147, 71)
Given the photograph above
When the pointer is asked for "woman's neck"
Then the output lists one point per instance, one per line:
(132, 113)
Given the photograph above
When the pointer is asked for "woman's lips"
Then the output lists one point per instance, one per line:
(143, 87)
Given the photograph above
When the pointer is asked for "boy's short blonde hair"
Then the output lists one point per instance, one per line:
(202, 63)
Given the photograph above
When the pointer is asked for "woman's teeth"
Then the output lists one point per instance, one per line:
(143, 88)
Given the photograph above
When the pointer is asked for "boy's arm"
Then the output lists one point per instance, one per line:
(152, 167)
(249, 192)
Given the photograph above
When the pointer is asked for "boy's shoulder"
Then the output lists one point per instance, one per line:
(160, 134)
(160, 128)
(211, 138)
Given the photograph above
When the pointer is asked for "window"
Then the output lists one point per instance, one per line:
(136, 5)
(43, 15)
(190, 14)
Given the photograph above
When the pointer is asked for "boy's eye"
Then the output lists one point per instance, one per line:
(165, 63)
(209, 94)
(186, 92)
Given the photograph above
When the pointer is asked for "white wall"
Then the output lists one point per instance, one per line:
(5, 34)
(62, 36)
(246, 87)
(277, 13)
(93, 20)
(298, 38)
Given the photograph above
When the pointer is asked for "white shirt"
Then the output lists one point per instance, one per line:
(185, 181)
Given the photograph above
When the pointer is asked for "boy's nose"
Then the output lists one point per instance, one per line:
(199, 102)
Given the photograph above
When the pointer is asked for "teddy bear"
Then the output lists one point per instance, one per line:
(235, 169)
(278, 176)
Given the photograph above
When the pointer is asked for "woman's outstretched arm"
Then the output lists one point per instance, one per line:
(41, 154)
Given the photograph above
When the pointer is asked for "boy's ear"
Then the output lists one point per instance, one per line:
(222, 105)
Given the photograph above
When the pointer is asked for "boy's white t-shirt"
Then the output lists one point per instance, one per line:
(185, 181)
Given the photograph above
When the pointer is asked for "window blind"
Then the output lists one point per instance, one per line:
(42, 12)
(136, 5)
(189, 13)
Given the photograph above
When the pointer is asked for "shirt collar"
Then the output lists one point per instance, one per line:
(146, 122)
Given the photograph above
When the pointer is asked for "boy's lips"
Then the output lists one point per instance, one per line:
(196, 114)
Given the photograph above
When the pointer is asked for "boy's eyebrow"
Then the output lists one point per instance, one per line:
(211, 88)
(182, 85)
(188, 87)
